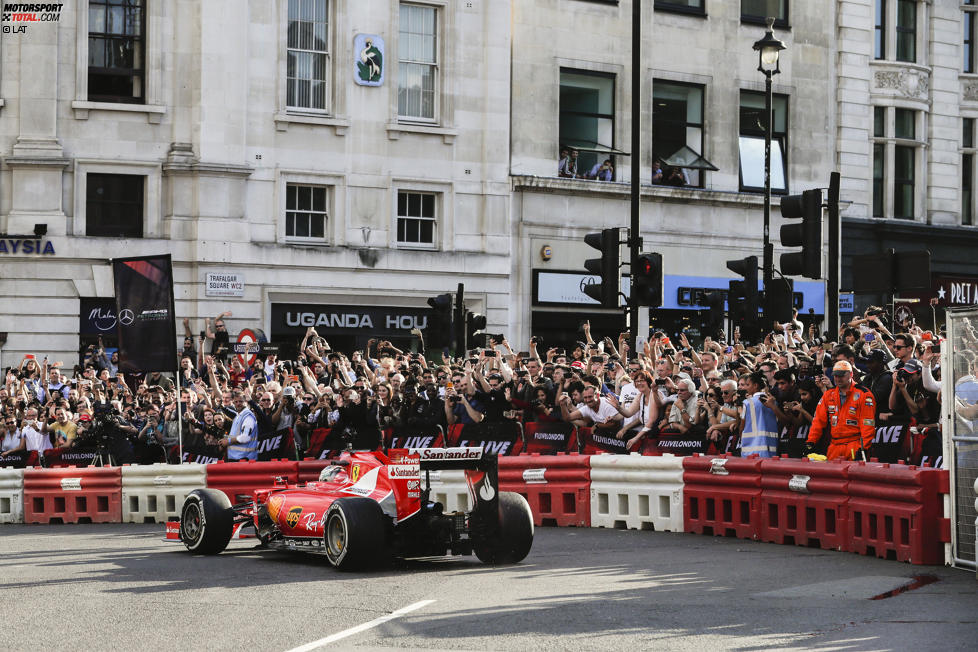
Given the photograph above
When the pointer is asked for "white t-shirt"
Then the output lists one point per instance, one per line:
(628, 394)
(604, 413)
(36, 441)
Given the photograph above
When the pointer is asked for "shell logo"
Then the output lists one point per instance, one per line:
(275, 506)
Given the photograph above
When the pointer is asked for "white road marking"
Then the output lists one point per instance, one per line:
(361, 628)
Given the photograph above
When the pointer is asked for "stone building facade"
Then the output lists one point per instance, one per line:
(235, 136)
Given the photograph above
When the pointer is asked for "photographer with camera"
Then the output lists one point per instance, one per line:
(461, 404)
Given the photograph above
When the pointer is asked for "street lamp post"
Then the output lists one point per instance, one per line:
(768, 49)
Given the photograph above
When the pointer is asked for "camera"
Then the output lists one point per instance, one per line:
(903, 375)
(490, 354)
(660, 381)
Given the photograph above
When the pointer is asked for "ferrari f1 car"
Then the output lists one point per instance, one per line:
(368, 508)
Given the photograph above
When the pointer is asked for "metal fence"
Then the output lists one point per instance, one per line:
(959, 363)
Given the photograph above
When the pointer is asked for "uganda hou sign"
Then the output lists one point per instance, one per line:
(224, 285)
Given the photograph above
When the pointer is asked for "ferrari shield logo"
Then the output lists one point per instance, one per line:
(292, 518)
(355, 473)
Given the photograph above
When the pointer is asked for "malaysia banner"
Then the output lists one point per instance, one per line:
(144, 311)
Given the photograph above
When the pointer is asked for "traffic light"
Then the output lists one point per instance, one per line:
(439, 331)
(807, 235)
(607, 267)
(743, 298)
(647, 281)
(713, 325)
(779, 300)
(474, 324)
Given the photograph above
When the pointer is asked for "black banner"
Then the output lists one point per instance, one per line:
(14, 461)
(680, 443)
(602, 441)
(144, 310)
(295, 318)
(891, 443)
(407, 437)
(206, 455)
(549, 437)
(276, 446)
(97, 316)
(71, 457)
(499, 437)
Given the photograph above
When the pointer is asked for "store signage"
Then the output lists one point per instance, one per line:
(97, 316)
(947, 291)
(680, 292)
(26, 246)
(846, 302)
(222, 284)
(297, 317)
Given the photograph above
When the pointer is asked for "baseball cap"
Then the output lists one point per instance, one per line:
(911, 366)
(577, 364)
(85, 417)
(841, 367)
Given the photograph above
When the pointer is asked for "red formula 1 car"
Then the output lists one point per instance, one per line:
(368, 508)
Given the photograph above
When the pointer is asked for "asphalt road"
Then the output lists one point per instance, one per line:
(119, 587)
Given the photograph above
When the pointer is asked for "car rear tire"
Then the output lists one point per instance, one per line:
(206, 521)
(515, 537)
(356, 534)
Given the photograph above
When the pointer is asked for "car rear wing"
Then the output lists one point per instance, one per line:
(461, 457)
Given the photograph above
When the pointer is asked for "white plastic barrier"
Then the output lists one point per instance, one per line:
(11, 495)
(155, 492)
(449, 488)
(636, 492)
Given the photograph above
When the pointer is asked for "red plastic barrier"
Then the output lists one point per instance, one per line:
(73, 495)
(240, 479)
(309, 469)
(805, 503)
(897, 512)
(722, 496)
(558, 487)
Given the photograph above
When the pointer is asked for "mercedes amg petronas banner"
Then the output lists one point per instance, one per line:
(144, 309)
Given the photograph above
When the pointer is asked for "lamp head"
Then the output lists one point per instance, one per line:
(768, 50)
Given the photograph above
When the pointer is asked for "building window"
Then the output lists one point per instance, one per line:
(307, 69)
(682, 6)
(587, 116)
(305, 212)
(906, 31)
(896, 158)
(968, 64)
(902, 15)
(116, 42)
(114, 205)
(752, 128)
(757, 11)
(968, 171)
(417, 48)
(880, 45)
(677, 121)
(416, 218)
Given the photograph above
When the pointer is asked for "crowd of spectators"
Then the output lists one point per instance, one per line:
(730, 395)
(604, 170)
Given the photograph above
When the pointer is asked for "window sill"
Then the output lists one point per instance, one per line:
(395, 130)
(416, 246)
(284, 118)
(154, 112)
(301, 242)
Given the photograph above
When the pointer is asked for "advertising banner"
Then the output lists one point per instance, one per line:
(144, 311)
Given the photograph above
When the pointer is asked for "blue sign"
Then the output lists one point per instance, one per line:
(369, 64)
(25, 246)
(846, 302)
(686, 292)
